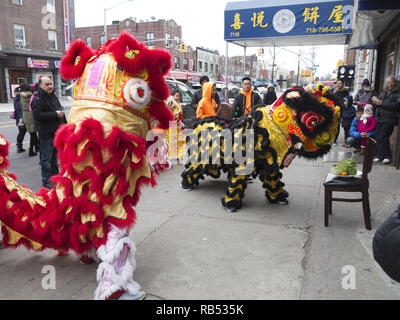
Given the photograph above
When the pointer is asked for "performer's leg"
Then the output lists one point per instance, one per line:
(191, 176)
(115, 272)
(274, 190)
(234, 192)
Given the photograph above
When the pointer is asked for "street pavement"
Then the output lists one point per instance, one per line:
(189, 247)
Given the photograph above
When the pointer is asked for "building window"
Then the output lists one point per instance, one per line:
(18, 2)
(216, 68)
(212, 67)
(103, 39)
(168, 40)
(185, 64)
(177, 63)
(205, 66)
(52, 40)
(200, 66)
(150, 39)
(19, 36)
(89, 41)
(51, 6)
(177, 42)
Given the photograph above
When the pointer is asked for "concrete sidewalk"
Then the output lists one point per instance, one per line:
(189, 247)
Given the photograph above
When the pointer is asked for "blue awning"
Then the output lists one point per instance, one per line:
(288, 22)
(364, 5)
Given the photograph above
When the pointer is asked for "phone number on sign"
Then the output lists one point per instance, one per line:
(324, 29)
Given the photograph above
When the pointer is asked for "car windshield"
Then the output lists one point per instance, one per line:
(186, 94)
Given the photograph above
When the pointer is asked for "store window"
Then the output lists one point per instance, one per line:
(390, 60)
(177, 63)
(168, 40)
(19, 36)
(52, 40)
(51, 6)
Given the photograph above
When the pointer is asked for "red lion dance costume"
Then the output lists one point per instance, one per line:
(102, 152)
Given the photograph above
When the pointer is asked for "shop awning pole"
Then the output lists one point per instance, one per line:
(226, 70)
(244, 61)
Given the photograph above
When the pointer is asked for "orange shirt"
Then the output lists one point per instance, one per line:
(247, 108)
(207, 106)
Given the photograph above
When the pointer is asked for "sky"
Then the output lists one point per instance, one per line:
(202, 24)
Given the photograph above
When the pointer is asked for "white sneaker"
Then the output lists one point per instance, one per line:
(386, 161)
(377, 160)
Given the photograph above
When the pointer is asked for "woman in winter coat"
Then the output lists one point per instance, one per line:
(348, 112)
(27, 117)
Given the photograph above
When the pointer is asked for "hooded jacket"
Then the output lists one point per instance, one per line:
(347, 112)
(269, 97)
(207, 106)
(198, 95)
(27, 116)
(389, 110)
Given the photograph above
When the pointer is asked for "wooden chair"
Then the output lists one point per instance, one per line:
(352, 184)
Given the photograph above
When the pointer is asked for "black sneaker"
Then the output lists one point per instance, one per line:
(186, 186)
(20, 150)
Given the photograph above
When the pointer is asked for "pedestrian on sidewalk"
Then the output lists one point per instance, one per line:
(387, 113)
(246, 100)
(348, 113)
(18, 120)
(270, 97)
(48, 116)
(364, 95)
(198, 95)
(27, 117)
(340, 92)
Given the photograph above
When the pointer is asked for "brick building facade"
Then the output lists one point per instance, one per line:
(32, 41)
(165, 34)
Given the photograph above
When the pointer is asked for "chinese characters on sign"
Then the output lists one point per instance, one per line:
(332, 17)
(311, 14)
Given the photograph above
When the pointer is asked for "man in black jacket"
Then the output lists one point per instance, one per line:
(48, 115)
(387, 112)
(246, 100)
(198, 95)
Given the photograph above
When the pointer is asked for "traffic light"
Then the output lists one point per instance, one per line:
(260, 52)
(346, 72)
(183, 47)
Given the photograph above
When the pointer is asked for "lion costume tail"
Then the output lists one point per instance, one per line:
(99, 183)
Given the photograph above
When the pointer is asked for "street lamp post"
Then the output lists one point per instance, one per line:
(105, 16)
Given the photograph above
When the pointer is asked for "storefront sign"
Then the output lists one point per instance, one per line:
(331, 17)
(66, 25)
(37, 64)
(57, 64)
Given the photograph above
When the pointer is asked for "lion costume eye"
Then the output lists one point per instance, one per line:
(137, 93)
(311, 120)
